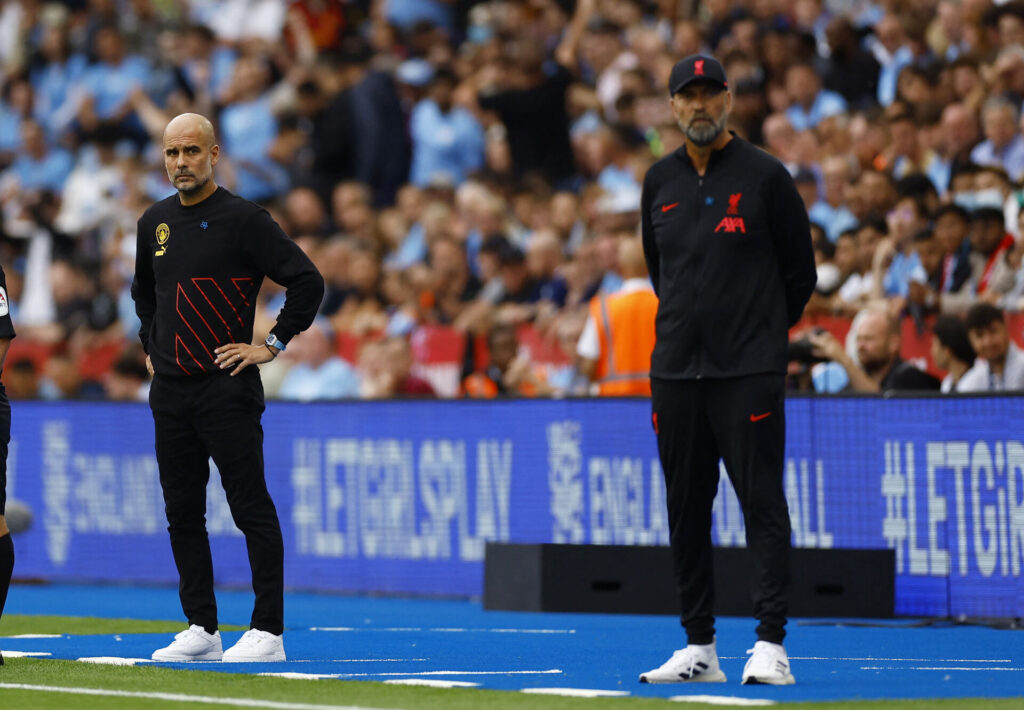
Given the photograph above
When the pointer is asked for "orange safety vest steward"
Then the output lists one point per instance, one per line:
(625, 329)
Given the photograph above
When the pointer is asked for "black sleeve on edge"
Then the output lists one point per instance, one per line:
(650, 245)
(276, 255)
(791, 232)
(6, 324)
(143, 285)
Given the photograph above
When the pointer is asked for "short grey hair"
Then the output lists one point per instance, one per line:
(1000, 103)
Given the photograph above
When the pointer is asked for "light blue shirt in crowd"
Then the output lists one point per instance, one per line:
(110, 85)
(334, 379)
(829, 377)
(1010, 158)
(46, 174)
(412, 250)
(826, 103)
(56, 87)
(221, 67)
(834, 220)
(611, 282)
(405, 13)
(904, 269)
(613, 178)
(890, 73)
(449, 144)
(248, 130)
(10, 129)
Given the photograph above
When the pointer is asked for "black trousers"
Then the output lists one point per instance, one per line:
(742, 421)
(5, 441)
(217, 416)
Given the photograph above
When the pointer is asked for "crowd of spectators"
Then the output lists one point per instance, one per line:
(474, 166)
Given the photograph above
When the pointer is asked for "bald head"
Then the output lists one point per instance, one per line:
(878, 340)
(632, 264)
(190, 152)
(192, 124)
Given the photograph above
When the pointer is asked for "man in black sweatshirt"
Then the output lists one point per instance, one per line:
(6, 544)
(728, 248)
(201, 258)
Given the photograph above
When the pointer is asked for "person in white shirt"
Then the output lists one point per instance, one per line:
(1000, 363)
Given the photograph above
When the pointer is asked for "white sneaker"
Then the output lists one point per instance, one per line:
(256, 646)
(693, 664)
(192, 644)
(768, 665)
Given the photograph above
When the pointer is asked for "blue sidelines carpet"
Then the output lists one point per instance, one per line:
(386, 639)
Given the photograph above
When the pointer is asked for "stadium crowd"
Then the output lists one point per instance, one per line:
(463, 173)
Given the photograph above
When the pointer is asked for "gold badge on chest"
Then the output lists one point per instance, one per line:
(163, 233)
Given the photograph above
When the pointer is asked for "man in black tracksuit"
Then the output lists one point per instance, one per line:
(6, 544)
(728, 246)
(201, 258)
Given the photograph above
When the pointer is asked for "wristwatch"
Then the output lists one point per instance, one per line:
(274, 345)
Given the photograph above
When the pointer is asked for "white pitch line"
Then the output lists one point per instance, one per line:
(34, 636)
(504, 631)
(722, 700)
(533, 631)
(378, 675)
(113, 660)
(444, 630)
(355, 660)
(181, 697)
(939, 668)
(337, 660)
(576, 692)
(25, 654)
(897, 660)
(432, 683)
(300, 676)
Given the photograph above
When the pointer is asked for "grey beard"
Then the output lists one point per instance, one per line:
(706, 133)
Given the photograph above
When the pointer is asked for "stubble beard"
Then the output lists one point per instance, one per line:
(196, 186)
(704, 133)
(875, 367)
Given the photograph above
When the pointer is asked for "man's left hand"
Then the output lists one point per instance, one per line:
(825, 345)
(241, 355)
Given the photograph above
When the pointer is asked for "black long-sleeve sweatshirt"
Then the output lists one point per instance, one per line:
(731, 260)
(198, 270)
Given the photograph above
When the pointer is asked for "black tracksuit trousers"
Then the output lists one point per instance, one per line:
(742, 421)
(217, 416)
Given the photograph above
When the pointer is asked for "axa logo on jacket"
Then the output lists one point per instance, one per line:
(731, 223)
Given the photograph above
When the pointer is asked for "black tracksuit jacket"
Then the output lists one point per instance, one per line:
(731, 261)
